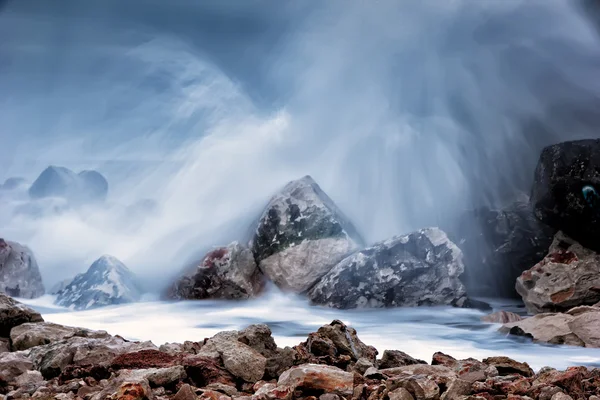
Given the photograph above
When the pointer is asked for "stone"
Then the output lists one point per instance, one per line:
(188, 347)
(396, 358)
(419, 386)
(400, 394)
(440, 374)
(143, 359)
(566, 173)
(422, 268)
(203, 371)
(13, 313)
(30, 335)
(301, 235)
(107, 282)
(213, 395)
(561, 396)
(498, 245)
(456, 389)
(13, 365)
(83, 188)
(502, 317)
(167, 377)
(228, 272)
(569, 276)
(318, 377)
(19, 272)
(507, 366)
(185, 393)
(362, 365)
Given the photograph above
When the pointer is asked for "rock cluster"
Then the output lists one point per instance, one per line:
(49, 361)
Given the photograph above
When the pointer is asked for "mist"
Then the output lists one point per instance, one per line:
(406, 114)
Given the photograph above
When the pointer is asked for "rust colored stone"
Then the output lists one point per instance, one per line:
(143, 359)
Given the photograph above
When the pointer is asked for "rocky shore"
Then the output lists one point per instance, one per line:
(42, 360)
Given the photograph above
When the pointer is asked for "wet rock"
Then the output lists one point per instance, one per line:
(13, 313)
(225, 273)
(30, 335)
(19, 272)
(13, 365)
(507, 366)
(185, 393)
(83, 188)
(569, 276)
(107, 282)
(301, 235)
(396, 358)
(318, 377)
(565, 172)
(422, 268)
(501, 317)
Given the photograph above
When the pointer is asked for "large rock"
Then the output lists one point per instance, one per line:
(30, 335)
(566, 173)
(579, 326)
(301, 235)
(320, 378)
(499, 244)
(569, 276)
(225, 273)
(422, 268)
(107, 282)
(13, 313)
(82, 188)
(19, 272)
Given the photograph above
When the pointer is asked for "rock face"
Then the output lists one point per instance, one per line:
(224, 273)
(13, 313)
(106, 282)
(569, 276)
(579, 326)
(82, 188)
(19, 272)
(422, 268)
(566, 174)
(499, 244)
(301, 235)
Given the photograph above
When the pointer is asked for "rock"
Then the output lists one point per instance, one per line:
(362, 366)
(167, 377)
(203, 371)
(188, 347)
(456, 389)
(501, 317)
(19, 271)
(561, 396)
(30, 378)
(470, 369)
(225, 273)
(498, 245)
(30, 335)
(13, 365)
(422, 268)
(143, 359)
(127, 391)
(565, 174)
(419, 386)
(440, 374)
(569, 276)
(185, 393)
(259, 337)
(301, 235)
(82, 188)
(318, 377)
(395, 358)
(13, 313)
(400, 394)
(107, 282)
(4, 345)
(507, 366)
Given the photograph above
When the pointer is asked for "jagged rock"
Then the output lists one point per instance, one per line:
(203, 371)
(107, 282)
(19, 272)
(569, 276)
(301, 235)
(143, 359)
(507, 366)
(501, 317)
(82, 188)
(422, 268)
(30, 335)
(318, 377)
(576, 327)
(396, 358)
(498, 245)
(420, 387)
(13, 365)
(260, 338)
(225, 273)
(185, 393)
(13, 313)
(564, 172)
(400, 394)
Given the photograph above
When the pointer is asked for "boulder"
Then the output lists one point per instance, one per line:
(566, 189)
(13, 313)
(29, 335)
(396, 358)
(421, 268)
(107, 282)
(225, 273)
(499, 244)
(301, 235)
(321, 378)
(19, 272)
(13, 365)
(569, 276)
(508, 366)
(577, 327)
(85, 187)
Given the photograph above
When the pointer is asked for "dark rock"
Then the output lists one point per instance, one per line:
(422, 268)
(564, 172)
(395, 358)
(225, 273)
(82, 188)
(107, 282)
(202, 371)
(508, 366)
(19, 272)
(301, 235)
(13, 313)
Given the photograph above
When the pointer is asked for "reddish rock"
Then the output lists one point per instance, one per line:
(318, 377)
(213, 395)
(202, 371)
(130, 391)
(185, 393)
(143, 359)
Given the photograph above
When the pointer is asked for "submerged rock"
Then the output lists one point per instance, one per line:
(569, 276)
(225, 273)
(82, 188)
(301, 235)
(566, 190)
(422, 268)
(107, 282)
(19, 272)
